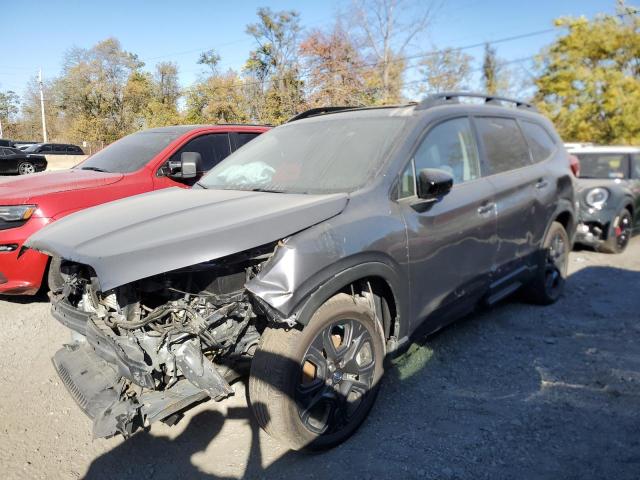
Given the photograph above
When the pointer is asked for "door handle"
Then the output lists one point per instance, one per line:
(541, 183)
(486, 209)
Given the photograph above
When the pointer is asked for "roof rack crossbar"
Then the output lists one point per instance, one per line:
(454, 97)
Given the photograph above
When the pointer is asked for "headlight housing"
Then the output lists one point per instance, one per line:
(16, 213)
(597, 197)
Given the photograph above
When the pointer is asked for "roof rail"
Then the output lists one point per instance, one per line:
(454, 97)
(318, 111)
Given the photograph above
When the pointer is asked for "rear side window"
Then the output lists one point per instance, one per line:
(540, 142)
(213, 148)
(504, 144)
(239, 139)
(59, 148)
(450, 146)
(635, 166)
(45, 148)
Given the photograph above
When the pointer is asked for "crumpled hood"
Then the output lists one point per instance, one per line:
(157, 232)
(25, 188)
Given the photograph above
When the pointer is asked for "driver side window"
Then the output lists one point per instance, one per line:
(213, 148)
(450, 146)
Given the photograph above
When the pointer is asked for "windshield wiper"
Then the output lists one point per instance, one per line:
(268, 190)
(95, 169)
(202, 185)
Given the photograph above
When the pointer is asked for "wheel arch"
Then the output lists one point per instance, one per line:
(383, 282)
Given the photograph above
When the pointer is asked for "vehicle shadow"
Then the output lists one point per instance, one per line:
(514, 392)
(40, 297)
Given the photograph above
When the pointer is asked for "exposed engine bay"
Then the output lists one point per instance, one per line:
(146, 350)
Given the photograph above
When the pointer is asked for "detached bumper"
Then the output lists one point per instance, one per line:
(99, 391)
(594, 225)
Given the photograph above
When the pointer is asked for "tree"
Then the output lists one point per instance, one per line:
(217, 99)
(274, 64)
(9, 106)
(93, 84)
(446, 70)
(589, 80)
(211, 59)
(385, 36)
(490, 70)
(334, 68)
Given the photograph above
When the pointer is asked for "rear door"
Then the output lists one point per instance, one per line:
(524, 192)
(451, 241)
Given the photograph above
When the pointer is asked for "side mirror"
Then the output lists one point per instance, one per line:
(187, 167)
(433, 184)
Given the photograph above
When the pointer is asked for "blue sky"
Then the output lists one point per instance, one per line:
(39, 32)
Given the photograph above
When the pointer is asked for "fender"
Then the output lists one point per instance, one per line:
(322, 285)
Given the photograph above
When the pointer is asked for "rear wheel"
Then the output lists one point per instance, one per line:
(619, 233)
(549, 282)
(26, 168)
(313, 388)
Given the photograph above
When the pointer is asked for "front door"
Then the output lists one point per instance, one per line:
(451, 242)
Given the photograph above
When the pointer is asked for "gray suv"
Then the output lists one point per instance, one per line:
(306, 257)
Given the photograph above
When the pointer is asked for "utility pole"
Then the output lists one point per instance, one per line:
(44, 122)
(0, 127)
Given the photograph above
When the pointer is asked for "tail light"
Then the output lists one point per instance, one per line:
(574, 163)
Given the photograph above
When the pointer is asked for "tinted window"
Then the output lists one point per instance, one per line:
(45, 148)
(539, 140)
(59, 148)
(635, 170)
(71, 149)
(603, 165)
(130, 153)
(32, 148)
(3, 152)
(504, 144)
(333, 153)
(212, 148)
(450, 146)
(239, 139)
(407, 185)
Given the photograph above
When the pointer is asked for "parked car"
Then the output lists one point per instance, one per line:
(142, 162)
(54, 149)
(609, 195)
(14, 161)
(311, 253)
(6, 143)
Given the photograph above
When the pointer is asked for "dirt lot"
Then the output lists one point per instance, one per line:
(516, 392)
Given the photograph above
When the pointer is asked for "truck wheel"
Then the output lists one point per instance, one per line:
(548, 284)
(619, 233)
(26, 168)
(54, 277)
(311, 389)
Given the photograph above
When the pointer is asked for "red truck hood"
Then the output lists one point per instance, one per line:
(23, 189)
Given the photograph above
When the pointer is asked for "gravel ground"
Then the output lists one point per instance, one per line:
(514, 392)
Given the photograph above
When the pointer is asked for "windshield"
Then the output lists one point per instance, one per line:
(603, 165)
(130, 153)
(31, 148)
(310, 156)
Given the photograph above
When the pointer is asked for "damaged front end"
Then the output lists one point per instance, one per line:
(147, 350)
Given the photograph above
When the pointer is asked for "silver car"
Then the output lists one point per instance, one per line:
(306, 257)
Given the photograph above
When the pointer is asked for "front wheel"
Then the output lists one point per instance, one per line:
(549, 282)
(619, 233)
(312, 388)
(26, 168)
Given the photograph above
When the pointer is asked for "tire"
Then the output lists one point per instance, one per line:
(619, 233)
(548, 284)
(26, 168)
(54, 277)
(298, 395)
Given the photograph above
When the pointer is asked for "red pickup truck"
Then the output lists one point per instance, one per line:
(144, 161)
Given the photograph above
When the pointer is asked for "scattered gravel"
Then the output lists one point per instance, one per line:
(514, 392)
